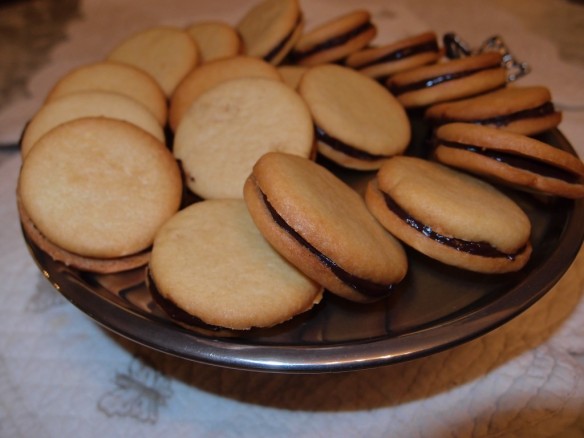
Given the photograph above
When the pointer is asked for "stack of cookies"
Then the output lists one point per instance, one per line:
(211, 155)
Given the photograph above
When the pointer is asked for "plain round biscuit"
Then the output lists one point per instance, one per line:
(329, 216)
(481, 81)
(211, 74)
(88, 104)
(369, 60)
(99, 187)
(499, 103)
(215, 40)
(454, 205)
(266, 25)
(166, 53)
(356, 110)
(211, 261)
(115, 77)
(232, 125)
(330, 30)
(487, 138)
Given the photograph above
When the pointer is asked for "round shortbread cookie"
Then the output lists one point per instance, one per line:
(382, 61)
(323, 227)
(166, 53)
(523, 110)
(450, 216)
(510, 158)
(449, 80)
(211, 74)
(88, 104)
(215, 40)
(271, 28)
(210, 261)
(115, 77)
(359, 124)
(233, 124)
(99, 187)
(334, 40)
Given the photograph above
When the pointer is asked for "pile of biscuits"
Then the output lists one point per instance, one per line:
(251, 120)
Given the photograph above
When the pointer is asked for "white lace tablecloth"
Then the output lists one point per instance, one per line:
(62, 375)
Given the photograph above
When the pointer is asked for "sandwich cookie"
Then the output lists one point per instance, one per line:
(117, 78)
(523, 110)
(323, 227)
(88, 104)
(215, 40)
(166, 53)
(334, 40)
(271, 28)
(210, 264)
(510, 158)
(211, 74)
(449, 80)
(406, 54)
(291, 74)
(98, 189)
(358, 123)
(450, 216)
(230, 126)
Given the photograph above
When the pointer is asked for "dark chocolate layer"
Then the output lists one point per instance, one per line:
(519, 161)
(437, 80)
(344, 148)
(483, 249)
(298, 55)
(541, 111)
(428, 46)
(361, 285)
(280, 46)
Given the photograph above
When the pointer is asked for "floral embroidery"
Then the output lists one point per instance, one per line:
(139, 393)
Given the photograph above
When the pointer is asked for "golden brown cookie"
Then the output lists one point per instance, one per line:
(271, 28)
(215, 40)
(211, 74)
(334, 40)
(448, 80)
(167, 53)
(450, 216)
(88, 104)
(211, 264)
(323, 227)
(230, 126)
(114, 77)
(99, 188)
(510, 158)
(359, 124)
(380, 62)
(523, 110)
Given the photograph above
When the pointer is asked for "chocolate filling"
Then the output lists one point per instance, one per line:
(298, 55)
(483, 249)
(428, 46)
(520, 161)
(432, 82)
(541, 111)
(344, 148)
(361, 285)
(280, 46)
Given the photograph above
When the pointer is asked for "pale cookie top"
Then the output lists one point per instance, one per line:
(231, 125)
(211, 261)
(88, 104)
(211, 74)
(115, 77)
(215, 40)
(100, 187)
(453, 203)
(267, 25)
(165, 52)
(355, 109)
